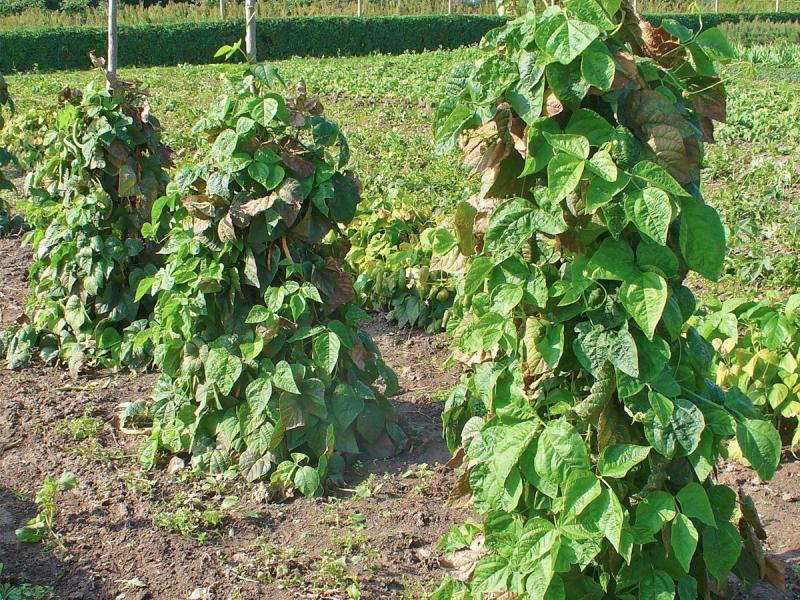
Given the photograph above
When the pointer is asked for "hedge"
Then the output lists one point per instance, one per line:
(278, 38)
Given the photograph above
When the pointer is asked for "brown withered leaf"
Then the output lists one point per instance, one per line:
(710, 106)
(775, 574)
(627, 75)
(486, 147)
(117, 153)
(552, 105)
(654, 42)
(199, 206)
(667, 142)
(300, 166)
(225, 229)
(461, 563)
(461, 494)
(516, 127)
(242, 214)
(750, 514)
(334, 284)
(657, 121)
(290, 194)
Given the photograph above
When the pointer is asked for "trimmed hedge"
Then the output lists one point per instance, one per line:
(278, 38)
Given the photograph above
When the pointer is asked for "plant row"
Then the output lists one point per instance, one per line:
(278, 38)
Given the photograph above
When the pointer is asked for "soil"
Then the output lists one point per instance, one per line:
(119, 527)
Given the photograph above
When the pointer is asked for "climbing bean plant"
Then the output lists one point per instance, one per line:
(7, 222)
(587, 427)
(100, 169)
(265, 368)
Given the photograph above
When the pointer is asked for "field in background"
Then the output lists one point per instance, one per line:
(82, 12)
(386, 103)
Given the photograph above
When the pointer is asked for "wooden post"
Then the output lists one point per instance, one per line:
(250, 29)
(222, 9)
(360, 7)
(111, 58)
(449, 7)
(716, 6)
(635, 6)
(777, 5)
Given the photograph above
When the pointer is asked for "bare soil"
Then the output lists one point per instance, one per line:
(119, 526)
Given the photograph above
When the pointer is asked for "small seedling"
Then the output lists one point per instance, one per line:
(43, 525)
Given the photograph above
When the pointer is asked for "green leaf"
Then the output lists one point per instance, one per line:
(598, 69)
(268, 175)
(702, 239)
(679, 437)
(615, 461)
(569, 143)
(567, 84)
(684, 540)
(537, 540)
(602, 165)
(258, 314)
(562, 38)
(223, 369)
(283, 379)
(654, 511)
(514, 222)
(514, 440)
(658, 177)
(448, 133)
(560, 451)
(722, 546)
(306, 480)
(644, 297)
(760, 444)
(479, 271)
(326, 350)
(656, 585)
(588, 123)
(225, 144)
(695, 503)
(580, 491)
(527, 101)
(650, 211)
(563, 175)
(612, 260)
(716, 45)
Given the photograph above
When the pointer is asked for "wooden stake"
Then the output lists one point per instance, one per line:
(250, 29)
(111, 59)
(222, 9)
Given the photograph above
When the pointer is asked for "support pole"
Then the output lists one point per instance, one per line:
(250, 29)
(360, 8)
(111, 58)
(449, 7)
(222, 9)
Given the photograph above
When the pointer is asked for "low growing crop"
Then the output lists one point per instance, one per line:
(264, 366)
(392, 245)
(588, 429)
(42, 526)
(759, 353)
(101, 169)
(7, 159)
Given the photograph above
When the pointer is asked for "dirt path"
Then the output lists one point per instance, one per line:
(133, 536)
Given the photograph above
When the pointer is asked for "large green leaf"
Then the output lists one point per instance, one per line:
(223, 369)
(562, 38)
(649, 209)
(644, 297)
(326, 350)
(616, 461)
(563, 175)
(560, 451)
(722, 546)
(684, 540)
(702, 239)
(760, 444)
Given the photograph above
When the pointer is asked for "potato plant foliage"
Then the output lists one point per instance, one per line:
(100, 169)
(264, 365)
(7, 159)
(588, 428)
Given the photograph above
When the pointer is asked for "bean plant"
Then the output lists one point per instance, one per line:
(264, 365)
(587, 427)
(758, 346)
(7, 222)
(100, 169)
